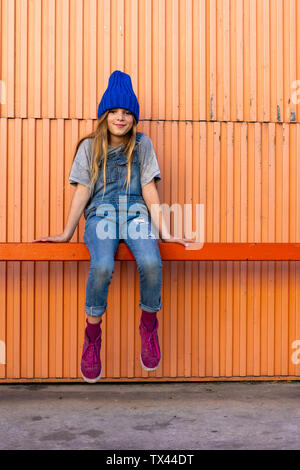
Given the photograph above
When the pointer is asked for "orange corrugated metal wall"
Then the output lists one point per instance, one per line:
(216, 82)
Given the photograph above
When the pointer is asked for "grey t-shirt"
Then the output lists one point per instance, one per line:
(149, 169)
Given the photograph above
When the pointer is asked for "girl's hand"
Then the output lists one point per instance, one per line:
(182, 241)
(61, 238)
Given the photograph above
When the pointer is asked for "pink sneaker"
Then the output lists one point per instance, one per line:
(150, 352)
(90, 367)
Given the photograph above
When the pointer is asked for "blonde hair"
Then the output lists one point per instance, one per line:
(100, 148)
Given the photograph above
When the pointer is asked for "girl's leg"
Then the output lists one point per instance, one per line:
(93, 320)
(147, 255)
(102, 253)
(149, 265)
(142, 240)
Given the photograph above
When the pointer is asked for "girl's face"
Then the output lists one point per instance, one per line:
(119, 122)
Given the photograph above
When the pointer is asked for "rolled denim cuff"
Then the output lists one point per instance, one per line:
(95, 311)
(149, 309)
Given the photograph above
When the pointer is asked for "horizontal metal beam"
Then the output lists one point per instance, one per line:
(45, 251)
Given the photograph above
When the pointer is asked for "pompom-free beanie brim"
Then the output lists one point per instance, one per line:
(119, 94)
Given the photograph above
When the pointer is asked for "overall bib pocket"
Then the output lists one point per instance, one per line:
(122, 172)
(111, 172)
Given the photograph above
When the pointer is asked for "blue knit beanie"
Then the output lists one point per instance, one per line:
(119, 94)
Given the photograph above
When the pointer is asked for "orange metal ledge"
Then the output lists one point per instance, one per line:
(45, 251)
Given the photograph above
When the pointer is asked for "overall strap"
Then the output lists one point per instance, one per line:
(138, 137)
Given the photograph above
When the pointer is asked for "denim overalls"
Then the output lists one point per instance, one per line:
(121, 216)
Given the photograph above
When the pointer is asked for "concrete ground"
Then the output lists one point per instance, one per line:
(171, 416)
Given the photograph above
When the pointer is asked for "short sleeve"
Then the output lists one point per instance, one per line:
(80, 171)
(149, 167)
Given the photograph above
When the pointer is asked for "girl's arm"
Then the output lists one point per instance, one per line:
(79, 201)
(151, 198)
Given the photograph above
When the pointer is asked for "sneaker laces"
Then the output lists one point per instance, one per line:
(91, 353)
(150, 342)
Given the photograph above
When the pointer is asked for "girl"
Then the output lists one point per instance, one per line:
(104, 161)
